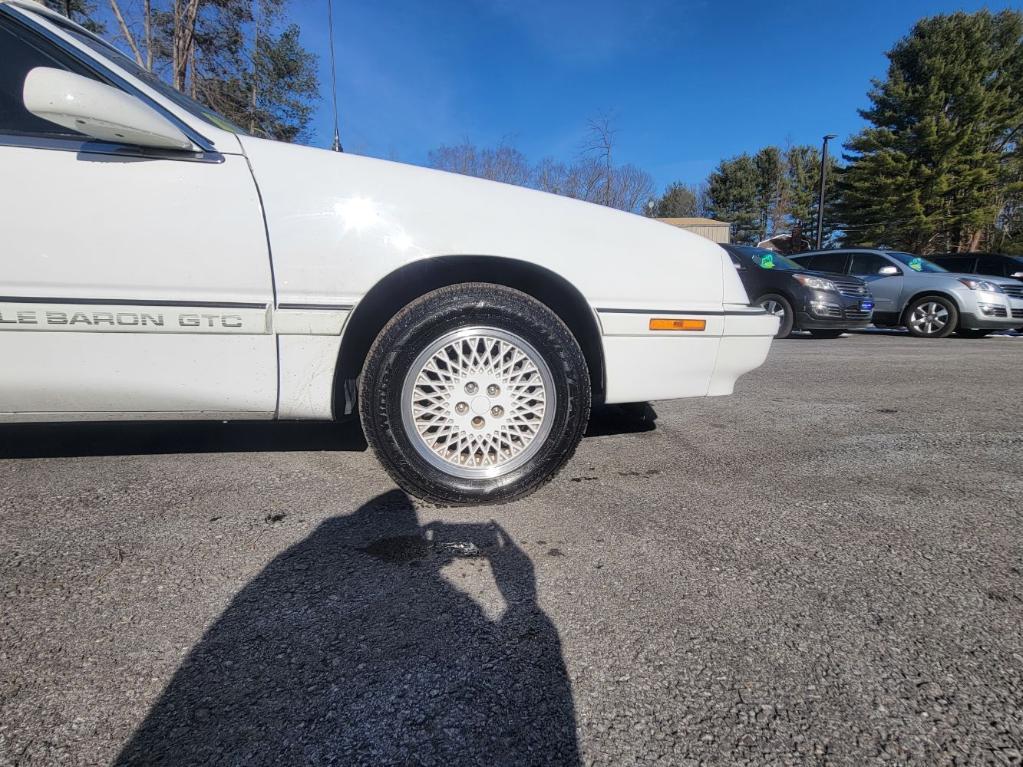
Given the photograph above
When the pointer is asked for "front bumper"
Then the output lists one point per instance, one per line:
(991, 311)
(642, 365)
(825, 310)
(1016, 310)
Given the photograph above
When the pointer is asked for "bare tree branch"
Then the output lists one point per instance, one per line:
(126, 32)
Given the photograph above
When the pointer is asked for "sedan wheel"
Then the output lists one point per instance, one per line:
(932, 317)
(474, 393)
(479, 402)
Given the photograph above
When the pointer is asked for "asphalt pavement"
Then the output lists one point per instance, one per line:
(825, 568)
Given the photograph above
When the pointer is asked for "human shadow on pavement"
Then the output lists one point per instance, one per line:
(351, 647)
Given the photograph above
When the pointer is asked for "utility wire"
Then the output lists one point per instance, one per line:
(336, 146)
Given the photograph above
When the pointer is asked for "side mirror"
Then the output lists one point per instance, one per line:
(888, 271)
(99, 111)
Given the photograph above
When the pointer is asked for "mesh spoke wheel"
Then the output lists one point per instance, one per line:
(478, 402)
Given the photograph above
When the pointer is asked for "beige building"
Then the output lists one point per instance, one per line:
(715, 231)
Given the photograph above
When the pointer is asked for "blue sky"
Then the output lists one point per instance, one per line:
(689, 82)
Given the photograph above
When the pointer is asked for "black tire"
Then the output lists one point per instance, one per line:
(951, 314)
(421, 325)
(973, 333)
(826, 333)
(788, 317)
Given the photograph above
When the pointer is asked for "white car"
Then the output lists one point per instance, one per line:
(158, 263)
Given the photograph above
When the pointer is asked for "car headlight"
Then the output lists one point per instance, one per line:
(816, 283)
(973, 284)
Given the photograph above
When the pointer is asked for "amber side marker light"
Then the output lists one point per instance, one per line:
(666, 324)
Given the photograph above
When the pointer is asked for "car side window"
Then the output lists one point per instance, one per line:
(993, 266)
(21, 54)
(868, 264)
(958, 264)
(827, 262)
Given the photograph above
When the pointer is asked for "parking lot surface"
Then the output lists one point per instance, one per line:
(826, 567)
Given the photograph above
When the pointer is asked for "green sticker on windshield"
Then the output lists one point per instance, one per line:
(767, 261)
(916, 264)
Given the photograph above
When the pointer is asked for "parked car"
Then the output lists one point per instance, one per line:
(825, 304)
(916, 293)
(160, 263)
(994, 265)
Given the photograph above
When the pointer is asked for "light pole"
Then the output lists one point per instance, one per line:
(820, 200)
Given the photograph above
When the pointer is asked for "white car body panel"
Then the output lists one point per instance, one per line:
(339, 223)
(273, 246)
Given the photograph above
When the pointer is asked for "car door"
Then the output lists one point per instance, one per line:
(133, 284)
(886, 288)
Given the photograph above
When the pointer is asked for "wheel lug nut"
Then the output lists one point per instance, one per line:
(471, 387)
(493, 390)
(497, 411)
(461, 408)
(478, 422)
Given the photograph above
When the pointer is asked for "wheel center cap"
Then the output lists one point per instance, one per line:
(480, 405)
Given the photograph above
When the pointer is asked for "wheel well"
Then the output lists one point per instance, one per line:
(404, 285)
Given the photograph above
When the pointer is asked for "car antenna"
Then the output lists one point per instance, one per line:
(336, 146)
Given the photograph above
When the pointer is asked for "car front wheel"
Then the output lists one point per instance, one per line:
(474, 393)
(780, 307)
(932, 317)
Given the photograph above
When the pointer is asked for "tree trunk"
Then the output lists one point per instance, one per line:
(185, 15)
(147, 10)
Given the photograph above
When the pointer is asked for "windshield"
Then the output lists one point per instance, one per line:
(768, 259)
(915, 263)
(108, 51)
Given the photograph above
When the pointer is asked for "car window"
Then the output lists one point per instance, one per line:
(868, 264)
(992, 265)
(23, 52)
(826, 262)
(956, 263)
(768, 259)
(916, 263)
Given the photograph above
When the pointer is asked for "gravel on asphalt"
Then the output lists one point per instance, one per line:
(826, 567)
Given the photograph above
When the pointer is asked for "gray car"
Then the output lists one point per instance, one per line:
(920, 295)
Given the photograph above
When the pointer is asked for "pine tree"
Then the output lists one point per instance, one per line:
(678, 201)
(934, 168)
(79, 11)
(733, 192)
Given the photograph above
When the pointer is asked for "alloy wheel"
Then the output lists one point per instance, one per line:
(929, 318)
(478, 402)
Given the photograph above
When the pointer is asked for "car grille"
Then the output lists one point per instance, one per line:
(857, 314)
(1017, 314)
(852, 289)
(1014, 289)
(996, 311)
